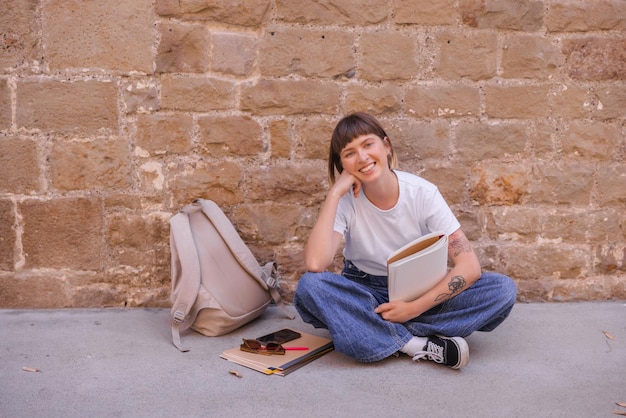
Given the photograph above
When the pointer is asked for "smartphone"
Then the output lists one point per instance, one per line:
(282, 336)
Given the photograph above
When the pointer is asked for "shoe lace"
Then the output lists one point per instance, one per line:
(432, 352)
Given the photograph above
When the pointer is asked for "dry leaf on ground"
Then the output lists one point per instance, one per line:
(235, 373)
(30, 369)
(608, 335)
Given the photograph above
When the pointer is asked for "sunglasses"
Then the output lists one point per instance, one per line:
(257, 347)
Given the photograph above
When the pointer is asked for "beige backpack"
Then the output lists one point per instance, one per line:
(217, 284)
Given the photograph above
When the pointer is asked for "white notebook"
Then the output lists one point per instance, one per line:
(418, 266)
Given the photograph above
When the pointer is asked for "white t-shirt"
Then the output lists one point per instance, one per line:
(372, 234)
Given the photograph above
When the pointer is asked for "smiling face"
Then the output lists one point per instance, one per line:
(366, 157)
(351, 128)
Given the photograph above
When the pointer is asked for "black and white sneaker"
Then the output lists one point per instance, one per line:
(451, 351)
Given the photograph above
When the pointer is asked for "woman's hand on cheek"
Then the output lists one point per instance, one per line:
(346, 182)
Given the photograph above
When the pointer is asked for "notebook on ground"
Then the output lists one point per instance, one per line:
(282, 364)
(418, 266)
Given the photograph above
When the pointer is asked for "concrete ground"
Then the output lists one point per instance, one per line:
(546, 360)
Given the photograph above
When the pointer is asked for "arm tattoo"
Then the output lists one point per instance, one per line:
(455, 285)
(459, 244)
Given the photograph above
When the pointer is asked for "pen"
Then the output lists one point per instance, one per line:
(296, 348)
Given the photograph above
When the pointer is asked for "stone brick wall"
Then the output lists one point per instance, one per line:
(114, 114)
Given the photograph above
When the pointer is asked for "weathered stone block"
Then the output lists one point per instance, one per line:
(612, 184)
(230, 135)
(514, 223)
(499, 183)
(20, 170)
(243, 12)
(592, 140)
(595, 58)
(570, 101)
(19, 44)
(479, 141)
(32, 290)
(466, 55)
(267, 224)
(290, 97)
(136, 231)
(219, 181)
(521, 261)
(425, 12)
(388, 56)
(96, 35)
(95, 164)
(335, 12)
(140, 95)
(562, 183)
(234, 53)
(5, 104)
(62, 233)
(419, 140)
(183, 48)
(449, 179)
(313, 138)
(85, 107)
(517, 101)
(442, 102)
(280, 139)
(610, 101)
(523, 15)
(530, 56)
(309, 53)
(164, 133)
(585, 16)
(8, 236)
(375, 100)
(200, 94)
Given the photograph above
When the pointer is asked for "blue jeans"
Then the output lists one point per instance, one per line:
(344, 304)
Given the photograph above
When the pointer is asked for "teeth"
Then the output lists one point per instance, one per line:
(367, 168)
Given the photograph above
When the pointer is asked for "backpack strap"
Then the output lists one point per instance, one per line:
(183, 247)
(267, 276)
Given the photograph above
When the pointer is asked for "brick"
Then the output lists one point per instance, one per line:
(519, 102)
(479, 141)
(611, 185)
(388, 56)
(234, 53)
(610, 101)
(200, 94)
(19, 44)
(94, 34)
(442, 101)
(290, 97)
(425, 12)
(499, 183)
(286, 183)
(313, 138)
(592, 140)
(522, 15)
(333, 12)
(5, 105)
(267, 224)
(164, 133)
(476, 51)
(20, 170)
(232, 135)
(563, 183)
(585, 16)
(96, 164)
(32, 290)
(570, 101)
(280, 139)
(130, 231)
(62, 233)
(85, 107)
(8, 236)
(595, 58)
(183, 48)
(375, 100)
(419, 140)
(530, 56)
(309, 53)
(219, 181)
(140, 95)
(245, 13)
